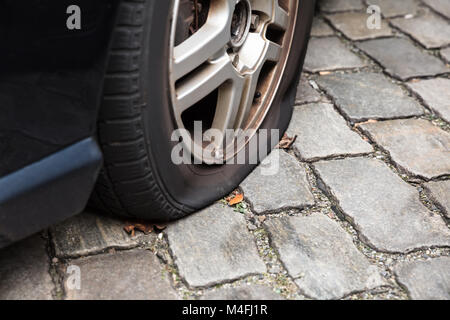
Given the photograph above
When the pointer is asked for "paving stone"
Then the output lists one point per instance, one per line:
(330, 54)
(123, 275)
(415, 145)
(320, 28)
(321, 132)
(426, 280)
(390, 8)
(214, 246)
(284, 188)
(435, 93)
(322, 257)
(402, 59)
(340, 5)
(243, 292)
(441, 6)
(306, 93)
(364, 96)
(385, 210)
(354, 26)
(445, 53)
(439, 191)
(90, 233)
(24, 271)
(429, 29)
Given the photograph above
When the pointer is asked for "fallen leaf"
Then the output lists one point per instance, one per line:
(370, 121)
(286, 142)
(236, 199)
(129, 229)
(144, 227)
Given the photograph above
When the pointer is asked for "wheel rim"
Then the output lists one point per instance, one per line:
(226, 73)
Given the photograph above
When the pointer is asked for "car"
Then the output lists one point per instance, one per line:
(95, 97)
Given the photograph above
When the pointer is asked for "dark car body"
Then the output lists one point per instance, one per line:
(50, 89)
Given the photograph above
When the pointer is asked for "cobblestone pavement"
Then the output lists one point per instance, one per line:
(360, 209)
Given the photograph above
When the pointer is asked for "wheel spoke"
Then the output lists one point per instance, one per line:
(204, 81)
(254, 64)
(277, 15)
(273, 51)
(248, 97)
(206, 42)
(230, 98)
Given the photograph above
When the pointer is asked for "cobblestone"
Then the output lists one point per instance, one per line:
(321, 133)
(354, 26)
(364, 96)
(401, 59)
(330, 54)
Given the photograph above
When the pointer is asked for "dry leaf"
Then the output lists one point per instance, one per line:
(129, 229)
(370, 121)
(144, 227)
(286, 142)
(236, 199)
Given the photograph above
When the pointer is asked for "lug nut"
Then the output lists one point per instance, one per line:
(236, 60)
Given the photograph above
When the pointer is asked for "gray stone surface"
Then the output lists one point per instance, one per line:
(24, 271)
(320, 28)
(124, 275)
(426, 280)
(415, 145)
(243, 292)
(306, 93)
(402, 59)
(279, 189)
(90, 233)
(214, 246)
(393, 8)
(441, 6)
(439, 191)
(429, 29)
(435, 93)
(321, 257)
(364, 96)
(386, 211)
(340, 5)
(330, 54)
(321, 132)
(354, 26)
(445, 53)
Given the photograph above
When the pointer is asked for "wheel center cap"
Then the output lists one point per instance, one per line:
(240, 25)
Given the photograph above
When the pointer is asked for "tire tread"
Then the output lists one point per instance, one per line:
(126, 185)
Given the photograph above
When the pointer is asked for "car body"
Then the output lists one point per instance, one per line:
(44, 66)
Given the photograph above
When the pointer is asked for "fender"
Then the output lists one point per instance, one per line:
(60, 70)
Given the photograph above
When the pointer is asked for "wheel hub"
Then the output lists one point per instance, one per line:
(240, 23)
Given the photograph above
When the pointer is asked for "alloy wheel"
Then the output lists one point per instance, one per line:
(226, 61)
